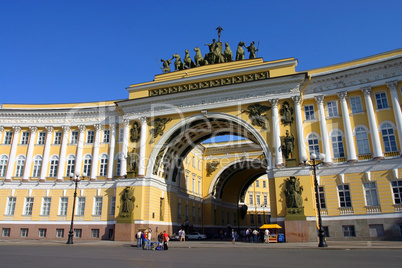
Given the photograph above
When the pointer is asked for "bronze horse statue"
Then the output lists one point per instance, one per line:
(188, 62)
(198, 59)
(178, 64)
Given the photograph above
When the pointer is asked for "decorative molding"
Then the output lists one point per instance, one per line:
(16, 129)
(82, 128)
(392, 85)
(296, 99)
(366, 91)
(343, 95)
(33, 129)
(319, 99)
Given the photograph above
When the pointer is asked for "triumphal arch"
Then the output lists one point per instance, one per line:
(165, 158)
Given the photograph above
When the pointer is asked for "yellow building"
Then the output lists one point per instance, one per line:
(144, 162)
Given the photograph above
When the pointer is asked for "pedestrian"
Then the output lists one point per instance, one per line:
(248, 235)
(183, 235)
(139, 239)
(144, 240)
(165, 240)
(255, 234)
(266, 236)
(149, 236)
(233, 236)
(180, 234)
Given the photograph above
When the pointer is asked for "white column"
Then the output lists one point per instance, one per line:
(143, 146)
(323, 128)
(375, 137)
(63, 151)
(277, 134)
(299, 126)
(95, 155)
(11, 161)
(80, 148)
(350, 145)
(392, 86)
(45, 162)
(28, 162)
(112, 145)
(123, 167)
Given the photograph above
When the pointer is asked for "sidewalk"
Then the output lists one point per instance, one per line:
(216, 244)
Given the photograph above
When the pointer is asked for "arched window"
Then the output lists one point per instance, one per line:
(20, 166)
(3, 165)
(337, 144)
(313, 146)
(362, 141)
(37, 166)
(103, 165)
(70, 164)
(54, 162)
(118, 163)
(388, 137)
(87, 165)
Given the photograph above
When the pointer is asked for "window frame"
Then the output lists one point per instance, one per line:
(24, 138)
(396, 186)
(345, 201)
(63, 205)
(57, 138)
(90, 136)
(8, 136)
(332, 109)
(28, 206)
(3, 165)
(11, 203)
(338, 148)
(362, 140)
(371, 194)
(37, 166)
(381, 100)
(388, 138)
(356, 105)
(309, 112)
(98, 203)
(46, 205)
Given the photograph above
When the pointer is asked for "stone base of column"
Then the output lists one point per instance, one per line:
(8, 180)
(351, 161)
(25, 180)
(59, 180)
(42, 180)
(92, 179)
(296, 231)
(109, 179)
(124, 232)
(280, 165)
(378, 158)
(328, 163)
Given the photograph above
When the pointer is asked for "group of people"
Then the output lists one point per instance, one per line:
(144, 238)
(256, 236)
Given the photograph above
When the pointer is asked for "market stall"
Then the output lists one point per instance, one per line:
(273, 233)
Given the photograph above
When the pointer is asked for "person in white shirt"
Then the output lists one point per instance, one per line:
(266, 236)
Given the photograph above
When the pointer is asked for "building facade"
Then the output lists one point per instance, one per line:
(151, 145)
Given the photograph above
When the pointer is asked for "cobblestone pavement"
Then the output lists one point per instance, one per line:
(217, 244)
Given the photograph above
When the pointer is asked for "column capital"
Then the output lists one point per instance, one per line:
(1, 129)
(274, 102)
(343, 95)
(126, 122)
(392, 85)
(296, 99)
(17, 129)
(49, 129)
(33, 129)
(366, 91)
(98, 127)
(319, 99)
(112, 126)
(65, 128)
(82, 128)
(143, 120)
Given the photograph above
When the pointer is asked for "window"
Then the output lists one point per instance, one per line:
(251, 218)
(11, 206)
(356, 105)
(321, 195)
(193, 184)
(199, 186)
(74, 137)
(77, 233)
(7, 137)
(199, 164)
(98, 205)
(381, 100)
(186, 212)
(199, 214)
(179, 211)
(37, 164)
(376, 230)
(3, 165)
(54, 162)
(251, 199)
(20, 166)
(63, 206)
(28, 206)
(59, 233)
(193, 213)
(193, 161)
(24, 138)
(259, 219)
(118, 164)
(103, 165)
(258, 199)
(264, 184)
(42, 232)
(309, 112)
(95, 233)
(87, 165)
(257, 183)
(265, 200)
(344, 196)
(397, 190)
(332, 108)
(6, 232)
(46, 201)
(313, 146)
(24, 232)
(348, 230)
(41, 138)
(106, 136)
(112, 205)
(337, 145)
(121, 134)
(70, 165)
(57, 138)
(370, 190)
(90, 136)
(389, 138)
(81, 206)
(362, 141)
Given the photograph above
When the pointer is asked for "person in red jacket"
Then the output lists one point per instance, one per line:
(165, 240)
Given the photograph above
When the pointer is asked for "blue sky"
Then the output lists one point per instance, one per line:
(62, 51)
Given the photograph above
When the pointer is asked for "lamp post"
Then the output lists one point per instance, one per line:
(75, 178)
(322, 243)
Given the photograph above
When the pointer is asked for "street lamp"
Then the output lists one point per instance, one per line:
(322, 243)
(75, 178)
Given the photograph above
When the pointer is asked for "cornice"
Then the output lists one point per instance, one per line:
(372, 74)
